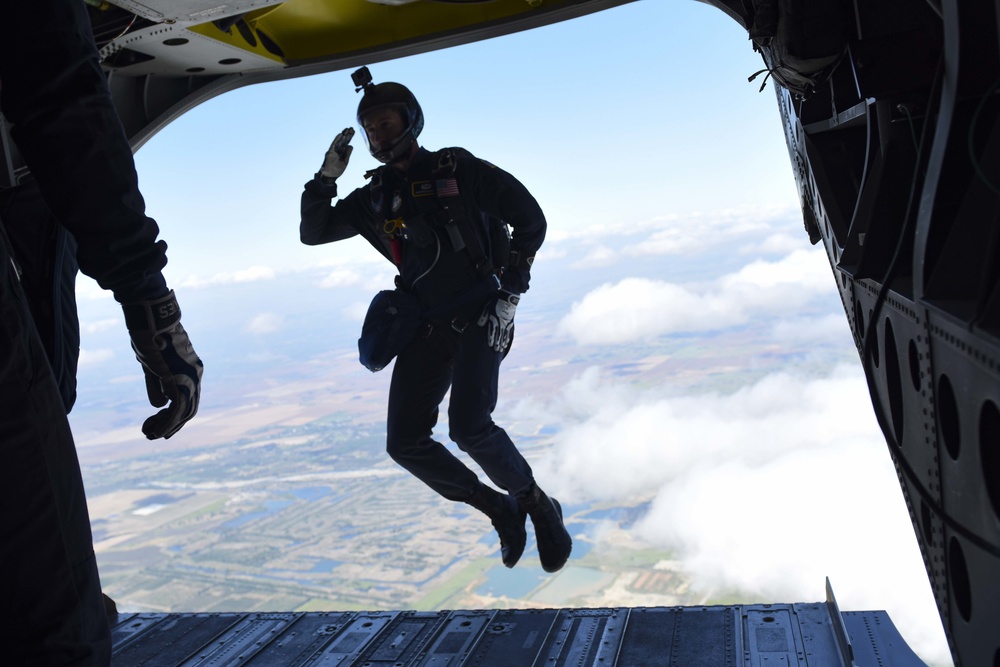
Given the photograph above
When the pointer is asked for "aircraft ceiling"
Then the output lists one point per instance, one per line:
(205, 37)
(164, 57)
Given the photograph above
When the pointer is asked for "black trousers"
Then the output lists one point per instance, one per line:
(422, 374)
(51, 606)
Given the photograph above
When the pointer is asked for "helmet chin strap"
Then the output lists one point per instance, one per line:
(398, 150)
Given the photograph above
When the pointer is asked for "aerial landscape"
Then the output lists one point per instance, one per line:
(293, 504)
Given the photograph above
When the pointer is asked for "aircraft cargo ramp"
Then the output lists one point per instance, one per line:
(810, 634)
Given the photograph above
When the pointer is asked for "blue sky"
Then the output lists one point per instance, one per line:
(672, 209)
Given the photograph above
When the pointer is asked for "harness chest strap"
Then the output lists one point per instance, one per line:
(459, 227)
(391, 249)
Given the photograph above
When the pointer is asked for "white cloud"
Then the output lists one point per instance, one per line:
(765, 491)
(558, 235)
(368, 268)
(596, 257)
(98, 326)
(687, 232)
(657, 436)
(637, 308)
(354, 252)
(803, 268)
(684, 234)
(265, 323)
(699, 231)
(248, 275)
(551, 251)
(340, 278)
(640, 308)
(777, 244)
(95, 357)
(672, 241)
(676, 234)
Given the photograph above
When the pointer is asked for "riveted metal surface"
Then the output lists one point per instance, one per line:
(174, 639)
(302, 639)
(802, 634)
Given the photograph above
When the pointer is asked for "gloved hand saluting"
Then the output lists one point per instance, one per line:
(173, 370)
(498, 318)
(338, 155)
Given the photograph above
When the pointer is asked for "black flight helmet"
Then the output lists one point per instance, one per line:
(384, 95)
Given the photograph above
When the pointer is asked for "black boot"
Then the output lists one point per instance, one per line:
(554, 542)
(506, 517)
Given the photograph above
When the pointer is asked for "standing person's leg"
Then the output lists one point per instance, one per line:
(473, 399)
(50, 593)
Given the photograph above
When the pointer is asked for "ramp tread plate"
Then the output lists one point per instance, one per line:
(303, 639)
(715, 636)
(173, 639)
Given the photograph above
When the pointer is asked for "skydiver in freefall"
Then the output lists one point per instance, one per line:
(435, 216)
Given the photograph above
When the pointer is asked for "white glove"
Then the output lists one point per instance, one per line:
(338, 155)
(498, 318)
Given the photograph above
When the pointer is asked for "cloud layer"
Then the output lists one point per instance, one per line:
(687, 234)
(248, 275)
(765, 491)
(639, 308)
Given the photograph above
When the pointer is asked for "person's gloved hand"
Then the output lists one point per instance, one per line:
(173, 370)
(498, 318)
(517, 274)
(338, 155)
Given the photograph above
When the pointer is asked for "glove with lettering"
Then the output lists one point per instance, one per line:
(498, 318)
(173, 369)
(337, 156)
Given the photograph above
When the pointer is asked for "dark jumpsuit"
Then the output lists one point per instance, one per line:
(55, 95)
(452, 351)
